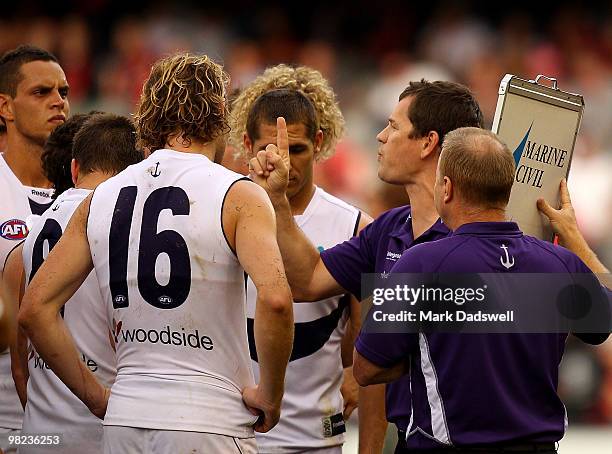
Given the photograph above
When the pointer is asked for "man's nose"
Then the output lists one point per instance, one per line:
(58, 100)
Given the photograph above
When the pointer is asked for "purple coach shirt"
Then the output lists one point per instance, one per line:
(476, 389)
(375, 250)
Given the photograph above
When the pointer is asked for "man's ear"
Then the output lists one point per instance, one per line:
(448, 190)
(430, 143)
(74, 171)
(6, 108)
(248, 145)
(318, 142)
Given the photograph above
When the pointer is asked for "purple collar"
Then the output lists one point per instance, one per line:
(404, 231)
(489, 228)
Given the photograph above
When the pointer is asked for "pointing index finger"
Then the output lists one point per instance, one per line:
(282, 138)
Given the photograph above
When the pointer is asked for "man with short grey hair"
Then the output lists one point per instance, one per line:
(456, 379)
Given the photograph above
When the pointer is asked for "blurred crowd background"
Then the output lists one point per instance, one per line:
(368, 51)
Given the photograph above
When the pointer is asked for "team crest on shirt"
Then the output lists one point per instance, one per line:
(507, 261)
(14, 229)
(154, 171)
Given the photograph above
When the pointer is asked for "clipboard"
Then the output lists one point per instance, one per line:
(539, 124)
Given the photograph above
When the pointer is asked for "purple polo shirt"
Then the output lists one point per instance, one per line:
(375, 250)
(476, 389)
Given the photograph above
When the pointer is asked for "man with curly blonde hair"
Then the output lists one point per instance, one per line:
(170, 239)
(312, 408)
(307, 80)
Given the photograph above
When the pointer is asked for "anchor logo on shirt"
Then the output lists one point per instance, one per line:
(155, 172)
(507, 263)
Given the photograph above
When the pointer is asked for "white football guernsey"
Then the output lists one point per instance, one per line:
(17, 203)
(175, 295)
(311, 412)
(51, 406)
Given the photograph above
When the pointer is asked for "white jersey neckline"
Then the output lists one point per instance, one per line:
(27, 190)
(179, 154)
(301, 219)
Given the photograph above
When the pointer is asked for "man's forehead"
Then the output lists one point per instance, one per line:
(400, 112)
(295, 132)
(42, 72)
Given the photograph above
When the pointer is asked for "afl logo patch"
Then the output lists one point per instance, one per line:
(14, 229)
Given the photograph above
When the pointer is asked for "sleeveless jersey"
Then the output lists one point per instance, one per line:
(17, 203)
(51, 406)
(175, 294)
(311, 412)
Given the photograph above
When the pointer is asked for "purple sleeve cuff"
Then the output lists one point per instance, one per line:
(343, 268)
(367, 345)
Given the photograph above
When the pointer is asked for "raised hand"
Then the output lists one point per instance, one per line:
(563, 220)
(270, 167)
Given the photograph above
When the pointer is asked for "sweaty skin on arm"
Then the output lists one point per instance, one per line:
(309, 278)
(248, 219)
(58, 278)
(13, 284)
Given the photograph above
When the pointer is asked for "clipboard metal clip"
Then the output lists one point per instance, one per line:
(552, 80)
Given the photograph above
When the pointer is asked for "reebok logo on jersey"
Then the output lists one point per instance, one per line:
(14, 229)
(45, 194)
(164, 336)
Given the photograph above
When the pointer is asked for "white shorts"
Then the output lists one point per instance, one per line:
(73, 441)
(133, 440)
(4, 433)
